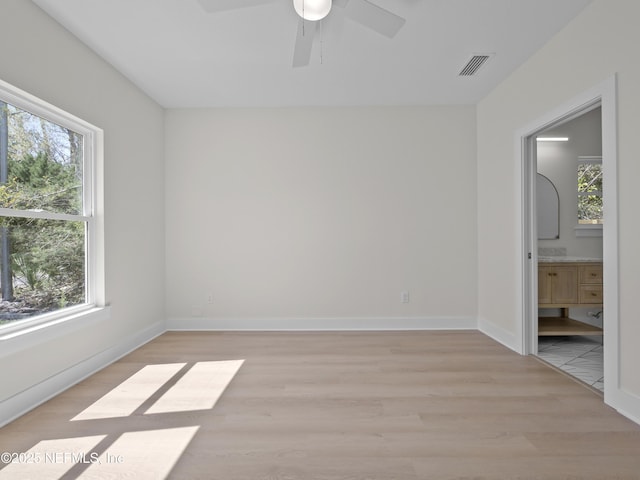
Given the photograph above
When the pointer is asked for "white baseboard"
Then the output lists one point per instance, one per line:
(19, 404)
(322, 324)
(499, 334)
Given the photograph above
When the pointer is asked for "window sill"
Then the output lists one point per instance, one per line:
(46, 328)
(588, 230)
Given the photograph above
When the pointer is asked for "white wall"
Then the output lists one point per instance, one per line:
(42, 58)
(598, 43)
(320, 217)
(558, 162)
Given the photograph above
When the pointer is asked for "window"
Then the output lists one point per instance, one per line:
(590, 213)
(48, 227)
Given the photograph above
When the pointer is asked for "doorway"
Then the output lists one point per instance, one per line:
(569, 216)
(602, 96)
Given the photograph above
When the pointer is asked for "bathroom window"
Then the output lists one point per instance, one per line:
(589, 196)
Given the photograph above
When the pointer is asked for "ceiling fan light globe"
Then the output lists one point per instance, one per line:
(312, 9)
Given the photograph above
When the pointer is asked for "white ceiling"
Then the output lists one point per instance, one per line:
(182, 56)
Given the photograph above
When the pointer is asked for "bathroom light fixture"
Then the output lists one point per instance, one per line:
(312, 9)
(552, 139)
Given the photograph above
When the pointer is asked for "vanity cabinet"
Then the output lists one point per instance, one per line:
(557, 285)
(567, 285)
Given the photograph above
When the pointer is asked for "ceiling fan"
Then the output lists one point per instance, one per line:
(311, 11)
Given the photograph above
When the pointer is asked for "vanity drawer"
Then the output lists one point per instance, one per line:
(590, 294)
(591, 274)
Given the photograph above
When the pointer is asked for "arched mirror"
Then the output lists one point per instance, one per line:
(547, 204)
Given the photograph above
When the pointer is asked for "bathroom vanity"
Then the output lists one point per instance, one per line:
(568, 282)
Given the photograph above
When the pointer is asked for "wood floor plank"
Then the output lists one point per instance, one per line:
(327, 405)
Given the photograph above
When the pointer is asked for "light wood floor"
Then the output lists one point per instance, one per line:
(388, 405)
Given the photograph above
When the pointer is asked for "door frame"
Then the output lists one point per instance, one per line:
(604, 95)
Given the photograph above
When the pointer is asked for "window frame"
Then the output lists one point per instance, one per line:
(585, 229)
(92, 210)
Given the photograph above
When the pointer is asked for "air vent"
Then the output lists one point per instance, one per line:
(473, 65)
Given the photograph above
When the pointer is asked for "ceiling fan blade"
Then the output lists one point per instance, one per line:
(374, 17)
(304, 42)
(224, 5)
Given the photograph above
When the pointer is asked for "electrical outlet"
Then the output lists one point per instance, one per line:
(404, 297)
(210, 298)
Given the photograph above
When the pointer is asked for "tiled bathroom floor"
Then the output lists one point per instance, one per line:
(581, 357)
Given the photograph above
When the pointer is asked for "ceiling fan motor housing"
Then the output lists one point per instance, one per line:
(312, 9)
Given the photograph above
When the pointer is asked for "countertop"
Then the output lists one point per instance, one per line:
(566, 259)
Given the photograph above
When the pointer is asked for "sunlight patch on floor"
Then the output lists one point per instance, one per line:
(142, 455)
(199, 388)
(127, 397)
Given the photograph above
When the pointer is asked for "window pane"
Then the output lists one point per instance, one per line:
(589, 209)
(47, 266)
(43, 169)
(589, 177)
